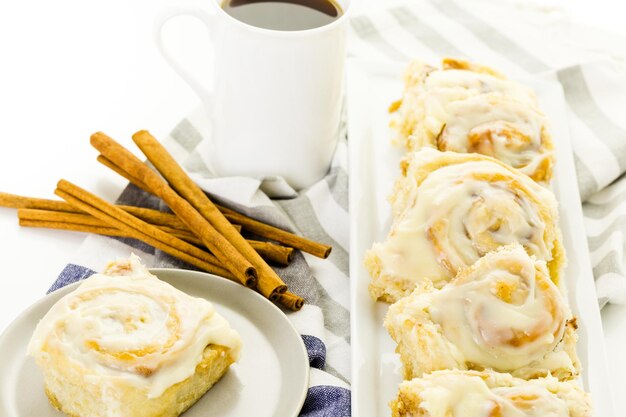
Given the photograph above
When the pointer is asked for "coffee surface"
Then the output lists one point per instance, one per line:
(285, 15)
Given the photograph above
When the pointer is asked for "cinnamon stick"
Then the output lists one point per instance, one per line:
(112, 231)
(138, 229)
(291, 301)
(288, 299)
(228, 255)
(15, 201)
(269, 251)
(156, 217)
(151, 216)
(278, 235)
(269, 283)
(115, 168)
(60, 216)
(281, 255)
(74, 227)
(18, 201)
(275, 253)
(164, 222)
(165, 219)
(264, 230)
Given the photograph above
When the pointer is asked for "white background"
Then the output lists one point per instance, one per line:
(69, 68)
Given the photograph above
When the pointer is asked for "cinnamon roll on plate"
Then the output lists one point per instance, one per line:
(502, 313)
(449, 210)
(125, 344)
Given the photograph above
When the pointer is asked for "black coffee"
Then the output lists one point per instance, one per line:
(283, 14)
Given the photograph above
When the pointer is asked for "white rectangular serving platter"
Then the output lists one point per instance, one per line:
(373, 166)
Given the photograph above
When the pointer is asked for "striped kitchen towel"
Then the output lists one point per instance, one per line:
(523, 38)
(320, 213)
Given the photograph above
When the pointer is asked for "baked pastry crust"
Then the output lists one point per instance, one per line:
(466, 107)
(450, 209)
(125, 344)
(70, 394)
(487, 393)
(502, 313)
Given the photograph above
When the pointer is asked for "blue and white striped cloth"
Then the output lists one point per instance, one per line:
(515, 37)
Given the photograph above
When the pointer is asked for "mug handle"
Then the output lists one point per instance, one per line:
(205, 17)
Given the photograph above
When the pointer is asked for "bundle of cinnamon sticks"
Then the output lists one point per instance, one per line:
(198, 232)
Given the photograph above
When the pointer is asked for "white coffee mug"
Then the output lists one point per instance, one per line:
(276, 97)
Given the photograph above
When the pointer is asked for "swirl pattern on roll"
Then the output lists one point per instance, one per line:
(125, 324)
(467, 108)
(451, 209)
(502, 313)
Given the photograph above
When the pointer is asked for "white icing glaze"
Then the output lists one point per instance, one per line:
(453, 395)
(504, 313)
(428, 93)
(508, 130)
(126, 324)
(474, 83)
(456, 215)
(466, 111)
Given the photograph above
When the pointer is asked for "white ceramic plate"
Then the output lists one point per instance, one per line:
(271, 379)
(372, 86)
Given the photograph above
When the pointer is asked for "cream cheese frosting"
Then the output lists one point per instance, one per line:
(457, 214)
(475, 83)
(127, 325)
(511, 131)
(502, 313)
(468, 108)
(468, 395)
(449, 209)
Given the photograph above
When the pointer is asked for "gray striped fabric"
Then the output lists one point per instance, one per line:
(594, 87)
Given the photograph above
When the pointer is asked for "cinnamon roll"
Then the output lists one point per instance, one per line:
(125, 343)
(489, 394)
(451, 209)
(503, 313)
(467, 108)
